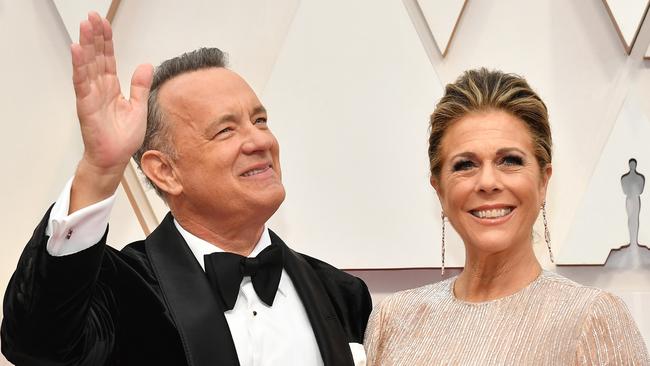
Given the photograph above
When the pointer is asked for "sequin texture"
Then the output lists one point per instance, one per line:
(552, 321)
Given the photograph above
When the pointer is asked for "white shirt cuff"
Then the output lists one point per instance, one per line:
(358, 354)
(82, 229)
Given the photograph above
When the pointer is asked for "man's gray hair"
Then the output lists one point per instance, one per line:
(157, 135)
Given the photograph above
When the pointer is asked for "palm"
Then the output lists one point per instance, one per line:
(112, 127)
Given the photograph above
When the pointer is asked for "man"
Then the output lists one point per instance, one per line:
(187, 294)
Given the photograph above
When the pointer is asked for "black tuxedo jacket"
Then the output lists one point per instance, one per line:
(151, 304)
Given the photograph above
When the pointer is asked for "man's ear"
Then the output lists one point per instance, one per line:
(159, 168)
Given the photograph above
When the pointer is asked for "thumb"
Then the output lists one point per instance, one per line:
(140, 83)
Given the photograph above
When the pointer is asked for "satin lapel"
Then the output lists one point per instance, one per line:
(199, 317)
(331, 338)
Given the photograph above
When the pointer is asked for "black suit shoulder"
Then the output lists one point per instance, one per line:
(340, 278)
(136, 256)
(349, 294)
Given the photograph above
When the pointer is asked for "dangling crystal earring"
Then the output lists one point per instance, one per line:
(547, 233)
(442, 268)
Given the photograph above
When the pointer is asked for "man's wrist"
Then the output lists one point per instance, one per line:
(92, 184)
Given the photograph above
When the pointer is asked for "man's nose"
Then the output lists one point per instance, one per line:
(257, 139)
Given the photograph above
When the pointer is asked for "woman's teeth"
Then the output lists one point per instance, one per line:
(491, 214)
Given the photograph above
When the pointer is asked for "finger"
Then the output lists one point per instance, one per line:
(98, 40)
(109, 51)
(140, 84)
(86, 42)
(79, 75)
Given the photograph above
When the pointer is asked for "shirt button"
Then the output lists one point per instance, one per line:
(254, 313)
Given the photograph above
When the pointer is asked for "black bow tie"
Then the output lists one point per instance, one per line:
(225, 272)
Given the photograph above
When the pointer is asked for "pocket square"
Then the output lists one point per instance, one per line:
(358, 354)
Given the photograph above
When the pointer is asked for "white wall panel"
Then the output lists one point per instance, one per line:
(349, 104)
(72, 11)
(251, 32)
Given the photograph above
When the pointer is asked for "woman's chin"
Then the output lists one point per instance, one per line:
(490, 243)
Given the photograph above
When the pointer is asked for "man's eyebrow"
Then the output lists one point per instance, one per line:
(228, 117)
(213, 126)
(259, 110)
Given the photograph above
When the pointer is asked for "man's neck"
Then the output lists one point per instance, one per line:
(239, 239)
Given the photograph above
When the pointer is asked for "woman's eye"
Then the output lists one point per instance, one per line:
(512, 160)
(260, 120)
(463, 165)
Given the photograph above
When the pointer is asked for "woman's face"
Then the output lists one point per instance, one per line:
(490, 185)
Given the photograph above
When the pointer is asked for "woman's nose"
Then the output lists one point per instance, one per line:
(488, 179)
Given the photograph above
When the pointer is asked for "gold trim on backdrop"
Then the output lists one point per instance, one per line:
(138, 199)
(112, 9)
(453, 31)
(628, 48)
(439, 43)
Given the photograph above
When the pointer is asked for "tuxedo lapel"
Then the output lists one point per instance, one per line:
(199, 317)
(331, 338)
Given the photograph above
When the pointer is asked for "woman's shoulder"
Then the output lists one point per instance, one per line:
(412, 297)
(605, 329)
(563, 284)
(584, 299)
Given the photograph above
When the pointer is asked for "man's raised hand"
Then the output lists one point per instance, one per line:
(112, 127)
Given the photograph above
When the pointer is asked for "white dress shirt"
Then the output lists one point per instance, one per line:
(263, 335)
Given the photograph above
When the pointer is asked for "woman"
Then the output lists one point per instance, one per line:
(490, 157)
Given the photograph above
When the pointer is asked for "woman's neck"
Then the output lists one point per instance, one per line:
(492, 276)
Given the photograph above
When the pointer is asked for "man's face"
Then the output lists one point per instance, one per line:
(227, 163)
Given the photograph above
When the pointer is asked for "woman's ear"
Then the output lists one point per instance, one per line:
(435, 183)
(159, 168)
(547, 171)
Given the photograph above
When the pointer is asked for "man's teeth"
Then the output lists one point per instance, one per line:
(493, 213)
(254, 171)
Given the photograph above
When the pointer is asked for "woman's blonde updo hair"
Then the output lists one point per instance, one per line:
(482, 90)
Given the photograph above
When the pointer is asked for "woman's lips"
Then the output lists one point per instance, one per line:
(492, 213)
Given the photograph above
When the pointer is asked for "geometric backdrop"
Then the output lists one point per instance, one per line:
(349, 86)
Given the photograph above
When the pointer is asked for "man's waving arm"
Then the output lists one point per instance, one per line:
(55, 310)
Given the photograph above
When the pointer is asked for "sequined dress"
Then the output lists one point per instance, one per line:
(552, 321)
